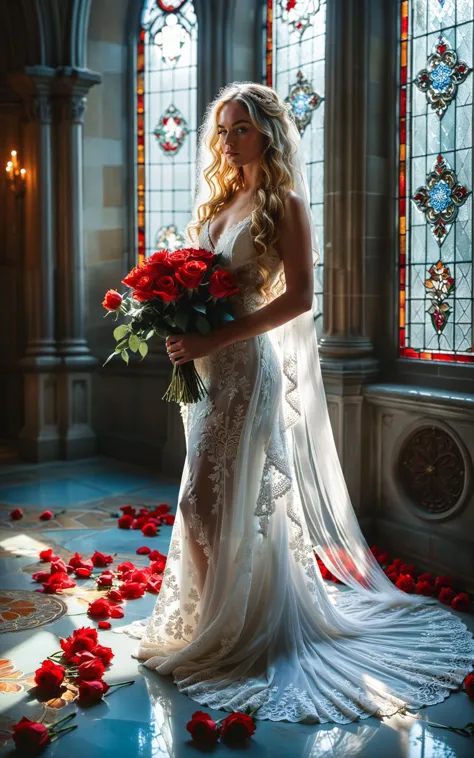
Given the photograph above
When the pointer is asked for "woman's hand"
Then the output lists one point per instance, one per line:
(186, 347)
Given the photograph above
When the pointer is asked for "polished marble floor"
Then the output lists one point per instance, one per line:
(147, 719)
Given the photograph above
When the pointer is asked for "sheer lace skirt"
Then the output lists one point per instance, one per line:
(244, 617)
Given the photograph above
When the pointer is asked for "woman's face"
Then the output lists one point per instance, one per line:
(240, 141)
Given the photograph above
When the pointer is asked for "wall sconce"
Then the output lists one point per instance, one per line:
(16, 177)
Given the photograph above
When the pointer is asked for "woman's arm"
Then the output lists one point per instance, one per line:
(294, 248)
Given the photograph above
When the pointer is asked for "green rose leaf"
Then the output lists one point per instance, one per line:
(143, 348)
(203, 325)
(120, 331)
(125, 357)
(134, 343)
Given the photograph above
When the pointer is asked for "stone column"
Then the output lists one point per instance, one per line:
(39, 438)
(77, 436)
(347, 353)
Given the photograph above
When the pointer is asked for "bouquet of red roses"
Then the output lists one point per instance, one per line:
(172, 292)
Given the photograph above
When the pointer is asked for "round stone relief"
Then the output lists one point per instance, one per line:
(433, 470)
(27, 609)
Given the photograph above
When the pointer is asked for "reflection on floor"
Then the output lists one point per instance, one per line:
(148, 718)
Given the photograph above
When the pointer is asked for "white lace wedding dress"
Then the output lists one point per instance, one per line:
(243, 617)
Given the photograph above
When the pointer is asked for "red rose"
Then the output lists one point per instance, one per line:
(392, 569)
(161, 509)
(155, 555)
(446, 595)
(125, 522)
(397, 562)
(49, 676)
(200, 254)
(178, 258)
(105, 654)
(382, 558)
(84, 638)
(41, 576)
(112, 300)
(443, 581)
(46, 515)
(83, 656)
(128, 510)
(83, 573)
(408, 568)
(222, 284)
(91, 692)
(375, 549)
(91, 670)
(30, 736)
(167, 288)
(138, 575)
(144, 289)
(140, 521)
(116, 612)
(426, 577)
(16, 514)
(203, 729)
(158, 262)
(133, 276)
(57, 582)
(461, 602)
(237, 727)
(122, 568)
(104, 625)
(58, 566)
(157, 567)
(469, 684)
(154, 584)
(405, 582)
(100, 607)
(132, 590)
(168, 519)
(115, 595)
(99, 559)
(149, 530)
(143, 512)
(47, 555)
(143, 550)
(424, 588)
(191, 274)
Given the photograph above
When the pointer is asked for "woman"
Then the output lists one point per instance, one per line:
(244, 618)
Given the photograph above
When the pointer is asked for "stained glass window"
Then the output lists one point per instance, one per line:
(166, 123)
(293, 63)
(435, 180)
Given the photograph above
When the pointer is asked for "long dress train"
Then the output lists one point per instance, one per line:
(244, 617)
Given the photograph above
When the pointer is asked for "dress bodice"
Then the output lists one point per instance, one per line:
(239, 255)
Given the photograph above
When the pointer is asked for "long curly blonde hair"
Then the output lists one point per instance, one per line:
(270, 115)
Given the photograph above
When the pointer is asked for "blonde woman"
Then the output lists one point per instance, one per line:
(244, 617)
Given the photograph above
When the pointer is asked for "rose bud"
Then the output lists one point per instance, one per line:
(30, 737)
(91, 670)
(46, 556)
(115, 595)
(112, 300)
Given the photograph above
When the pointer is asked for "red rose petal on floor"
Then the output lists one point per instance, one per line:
(116, 612)
(149, 530)
(143, 550)
(104, 625)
